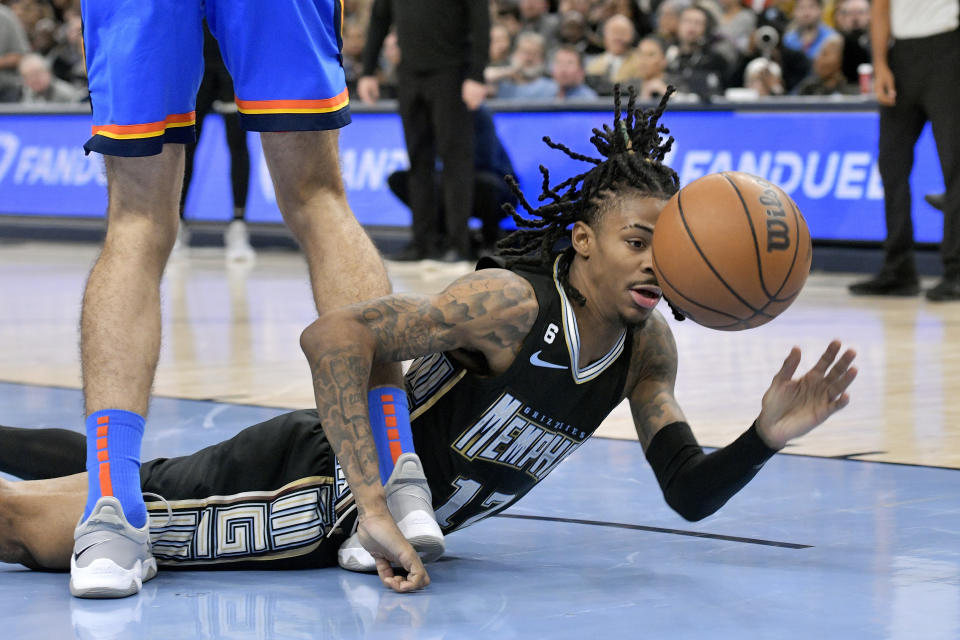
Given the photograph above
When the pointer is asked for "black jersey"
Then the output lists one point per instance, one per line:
(486, 441)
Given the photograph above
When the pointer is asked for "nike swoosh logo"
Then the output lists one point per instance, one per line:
(537, 362)
(86, 548)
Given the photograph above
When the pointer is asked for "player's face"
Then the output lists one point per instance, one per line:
(622, 260)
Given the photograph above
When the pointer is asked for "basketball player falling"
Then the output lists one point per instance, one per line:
(515, 367)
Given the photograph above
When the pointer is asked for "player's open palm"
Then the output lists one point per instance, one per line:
(380, 536)
(794, 406)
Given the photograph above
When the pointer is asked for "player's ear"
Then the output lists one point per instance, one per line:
(582, 238)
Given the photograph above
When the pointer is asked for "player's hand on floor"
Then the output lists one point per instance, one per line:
(380, 536)
(793, 407)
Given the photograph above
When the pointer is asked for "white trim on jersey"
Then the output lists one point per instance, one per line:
(572, 334)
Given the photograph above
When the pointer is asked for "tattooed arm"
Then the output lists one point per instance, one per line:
(489, 311)
(653, 369)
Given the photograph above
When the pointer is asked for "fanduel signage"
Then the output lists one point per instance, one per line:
(826, 161)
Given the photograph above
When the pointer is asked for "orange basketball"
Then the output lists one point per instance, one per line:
(731, 251)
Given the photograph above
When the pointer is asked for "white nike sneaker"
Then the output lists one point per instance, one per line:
(110, 558)
(410, 503)
(236, 240)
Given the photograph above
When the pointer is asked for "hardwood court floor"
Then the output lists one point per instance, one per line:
(231, 335)
(814, 547)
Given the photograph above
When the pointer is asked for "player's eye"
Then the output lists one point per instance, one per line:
(637, 244)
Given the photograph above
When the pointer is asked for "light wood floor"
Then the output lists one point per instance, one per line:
(231, 335)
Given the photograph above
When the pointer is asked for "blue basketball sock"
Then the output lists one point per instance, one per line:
(390, 423)
(113, 462)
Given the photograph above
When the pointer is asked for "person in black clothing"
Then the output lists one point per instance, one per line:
(694, 65)
(444, 48)
(217, 86)
(491, 164)
(916, 79)
(515, 368)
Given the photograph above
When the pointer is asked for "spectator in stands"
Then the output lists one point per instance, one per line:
(668, 19)
(535, 16)
(40, 85)
(809, 32)
(524, 78)
(13, 45)
(574, 31)
(568, 75)
(606, 9)
(852, 20)
(43, 38)
(763, 76)
(646, 67)
(766, 42)
(736, 23)
(603, 71)
(500, 46)
(693, 65)
(508, 15)
(67, 57)
(827, 77)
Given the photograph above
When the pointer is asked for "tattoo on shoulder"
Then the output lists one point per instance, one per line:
(655, 352)
(496, 309)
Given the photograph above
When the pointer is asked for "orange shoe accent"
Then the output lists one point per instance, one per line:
(389, 410)
(102, 455)
(101, 443)
(102, 431)
(103, 419)
(393, 434)
(391, 421)
(387, 397)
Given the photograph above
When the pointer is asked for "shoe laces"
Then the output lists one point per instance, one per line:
(165, 502)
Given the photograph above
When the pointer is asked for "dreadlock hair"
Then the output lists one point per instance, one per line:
(632, 153)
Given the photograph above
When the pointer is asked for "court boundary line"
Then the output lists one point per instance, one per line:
(838, 457)
(651, 529)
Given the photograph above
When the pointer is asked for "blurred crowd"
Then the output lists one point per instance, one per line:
(578, 49)
(41, 51)
(546, 49)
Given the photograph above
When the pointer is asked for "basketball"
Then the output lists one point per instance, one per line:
(731, 251)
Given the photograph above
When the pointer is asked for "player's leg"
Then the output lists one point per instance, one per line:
(290, 87)
(453, 127)
(942, 93)
(900, 126)
(141, 104)
(39, 454)
(37, 519)
(415, 116)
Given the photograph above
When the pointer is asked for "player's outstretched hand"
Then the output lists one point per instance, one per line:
(792, 407)
(380, 536)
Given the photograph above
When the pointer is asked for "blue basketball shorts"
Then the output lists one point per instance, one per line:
(145, 62)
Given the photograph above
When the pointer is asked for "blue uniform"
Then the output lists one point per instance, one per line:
(145, 62)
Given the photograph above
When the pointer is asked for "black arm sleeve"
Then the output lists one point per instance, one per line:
(380, 21)
(696, 484)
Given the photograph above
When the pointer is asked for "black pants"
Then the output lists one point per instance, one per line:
(436, 123)
(490, 193)
(217, 85)
(927, 74)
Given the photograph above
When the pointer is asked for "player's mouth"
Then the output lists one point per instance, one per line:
(646, 295)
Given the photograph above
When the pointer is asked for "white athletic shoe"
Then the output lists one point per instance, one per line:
(237, 242)
(110, 558)
(410, 504)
